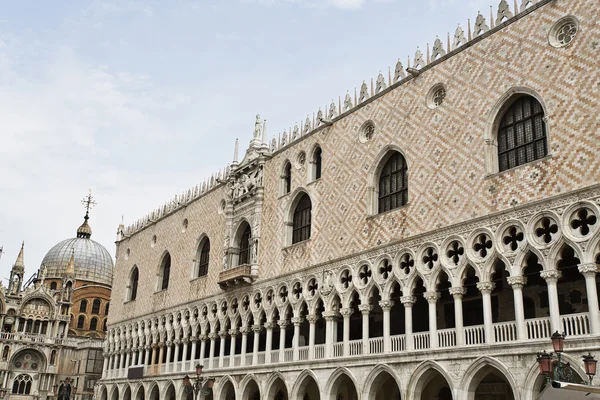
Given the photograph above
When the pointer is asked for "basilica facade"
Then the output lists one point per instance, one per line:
(419, 239)
(53, 326)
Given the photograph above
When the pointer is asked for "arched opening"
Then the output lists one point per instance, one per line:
(397, 314)
(154, 394)
(203, 257)
(301, 220)
(472, 306)
(80, 322)
(104, 394)
(22, 384)
(164, 272)
(133, 283)
(308, 390)
(502, 295)
(376, 314)
(392, 189)
(444, 306)
(140, 395)
(96, 306)
(170, 393)
(115, 394)
(355, 323)
(420, 312)
(243, 243)
(83, 306)
(343, 388)
(251, 392)
(384, 387)
(316, 163)
(572, 294)
(286, 178)
(535, 297)
(277, 391)
(53, 286)
(93, 324)
(127, 393)
(433, 386)
(521, 134)
(228, 391)
(489, 383)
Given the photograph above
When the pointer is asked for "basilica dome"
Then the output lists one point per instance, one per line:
(92, 262)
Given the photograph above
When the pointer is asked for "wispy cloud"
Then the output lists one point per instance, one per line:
(339, 4)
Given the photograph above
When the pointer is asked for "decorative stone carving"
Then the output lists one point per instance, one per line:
(419, 61)
(295, 132)
(246, 184)
(386, 304)
(347, 102)
(457, 292)
(431, 297)
(588, 269)
(486, 287)
(517, 281)
(307, 127)
(297, 320)
(408, 301)
(365, 308)
(332, 110)
(312, 318)
(380, 84)
(399, 72)
(480, 25)
(503, 12)
(551, 276)
(327, 285)
(459, 38)
(346, 312)
(438, 49)
(258, 128)
(364, 92)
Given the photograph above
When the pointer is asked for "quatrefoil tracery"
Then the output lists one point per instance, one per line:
(584, 221)
(455, 252)
(407, 263)
(385, 269)
(430, 257)
(283, 294)
(297, 290)
(364, 274)
(346, 278)
(547, 229)
(482, 245)
(513, 237)
(313, 286)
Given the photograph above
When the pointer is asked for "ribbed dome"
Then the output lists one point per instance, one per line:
(92, 261)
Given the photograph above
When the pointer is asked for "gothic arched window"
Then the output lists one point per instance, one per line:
(106, 309)
(96, 306)
(393, 183)
(133, 283)
(204, 257)
(245, 246)
(302, 220)
(22, 384)
(80, 322)
(83, 306)
(165, 272)
(317, 163)
(53, 286)
(522, 134)
(93, 324)
(287, 178)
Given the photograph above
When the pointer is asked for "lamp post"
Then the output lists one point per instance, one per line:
(198, 385)
(559, 371)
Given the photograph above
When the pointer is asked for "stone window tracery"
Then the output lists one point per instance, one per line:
(455, 252)
(22, 384)
(430, 257)
(583, 221)
(407, 263)
(522, 134)
(563, 32)
(546, 230)
(512, 238)
(393, 183)
(302, 220)
(483, 244)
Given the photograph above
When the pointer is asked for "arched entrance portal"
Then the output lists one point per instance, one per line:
(308, 390)
(343, 389)
(140, 393)
(252, 392)
(115, 394)
(154, 393)
(228, 391)
(433, 386)
(127, 394)
(384, 387)
(170, 393)
(277, 391)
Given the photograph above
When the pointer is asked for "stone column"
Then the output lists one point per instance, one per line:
(153, 359)
(551, 278)
(346, 313)
(176, 355)
(312, 319)
(105, 366)
(282, 325)
(203, 339)
(233, 335)
(211, 353)
(127, 358)
(365, 309)
(194, 347)
(589, 272)
(517, 283)
(458, 293)
(256, 329)
(268, 342)
(486, 294)
(408, 302)
(330, 317)
(169, 345)
(223, 336)
(432, 298)
(147, 359)
(296, 339)
(185, 350)
(386, 306)
(245, 330)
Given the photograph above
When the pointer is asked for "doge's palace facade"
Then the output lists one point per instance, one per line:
(421, 238)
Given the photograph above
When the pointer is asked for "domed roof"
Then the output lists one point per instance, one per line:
(92, 261)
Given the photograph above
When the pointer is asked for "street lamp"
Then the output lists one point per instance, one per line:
(197, 386)
(557, 370)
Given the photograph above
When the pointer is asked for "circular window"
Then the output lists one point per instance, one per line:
(367, 131)
(563, 32)
(301, 160)
(436, 96)
(221, 207)
(153, 241)
(184, 225)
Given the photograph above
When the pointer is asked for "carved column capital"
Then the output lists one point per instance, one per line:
(365, 309)
(457, 292)
(233, 332)
(517, 282)
(256, 328)
(330, 315)
(312, 318)
(551, 276)
(212, 336)
(194, 339)
(282, 323)
(408, 301)
(203, 338)
(222, 334)
(297, 320)
(486, 287)
(346, 312)
(269, 325)
(588, 269)
(431, 297)
(245, 330)
(386, 305)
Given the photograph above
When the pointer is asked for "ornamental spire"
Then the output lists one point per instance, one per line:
(84, 231)
(20, 263)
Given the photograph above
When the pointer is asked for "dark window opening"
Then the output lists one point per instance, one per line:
(302, 220)
(93, 324)
(245, 246)
(96, 307)
(166, 272)
(393, 183)
(204, 259)
(135, 276)
(287, 178)
(83, 306)
(317, 161)
(80, 322)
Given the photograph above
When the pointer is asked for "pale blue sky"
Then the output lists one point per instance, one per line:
(142, 99)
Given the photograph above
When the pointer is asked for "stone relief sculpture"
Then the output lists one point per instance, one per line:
(257, 128)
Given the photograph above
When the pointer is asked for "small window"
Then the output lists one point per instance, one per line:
(522, 134)
(302, 220)
(93, 324)
(245, 246)
(80, 322)
(96, 306)
(53, 286)
(317, 163)
(133, 284)
(204, 258)
(106, 309)
(165, 272)
(104, 326)
(287, 178)
(83, 306)
(393, 183)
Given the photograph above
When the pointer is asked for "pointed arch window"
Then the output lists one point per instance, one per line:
(96, 306)
(302, 220)
(317, 163)
(165, 271)
(393, 183)
(204, 258)
(245, 246)
(83, 306)
(93, 324)
(522, 134)
(287, 178)
(22, 384)
(133, 284)
(80, 322)
(106, 309)
(53, 286)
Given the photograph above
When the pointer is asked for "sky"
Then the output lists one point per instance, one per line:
(139, 100)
